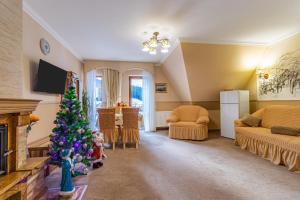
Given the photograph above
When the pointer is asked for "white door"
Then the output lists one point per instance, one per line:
(229, 113)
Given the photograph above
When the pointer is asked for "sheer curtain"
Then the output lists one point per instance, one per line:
(102, 91)
(91, 85)
(148, 102)
(111, 83)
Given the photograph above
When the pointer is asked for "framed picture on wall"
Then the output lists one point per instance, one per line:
(161, 88)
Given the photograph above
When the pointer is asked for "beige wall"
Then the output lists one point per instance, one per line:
(269, 57)
(60, 56)
(171, 95)
(212, 68)
(11, 71)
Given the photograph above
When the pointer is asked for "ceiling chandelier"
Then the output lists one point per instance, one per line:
(153, 44)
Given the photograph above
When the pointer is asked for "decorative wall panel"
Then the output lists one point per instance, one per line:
(11, 69)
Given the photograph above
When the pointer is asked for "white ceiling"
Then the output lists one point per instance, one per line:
(114, 29)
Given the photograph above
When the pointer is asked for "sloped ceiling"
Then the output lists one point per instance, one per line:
(200, 71)
(175, 70)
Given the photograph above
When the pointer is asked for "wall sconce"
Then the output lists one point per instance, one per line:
(266, 76)
(262, 74)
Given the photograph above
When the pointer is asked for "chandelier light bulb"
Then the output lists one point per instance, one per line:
(165, 43)
(152, 51)
(153, 42)
(145, 47)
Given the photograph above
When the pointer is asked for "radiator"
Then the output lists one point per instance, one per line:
(161, 117)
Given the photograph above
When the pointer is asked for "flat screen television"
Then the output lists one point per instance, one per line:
(50, 78)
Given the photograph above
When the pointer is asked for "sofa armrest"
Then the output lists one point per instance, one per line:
(202, 120)
(239, 123)
(172, 118)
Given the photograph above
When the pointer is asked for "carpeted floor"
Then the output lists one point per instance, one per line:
(185, 170)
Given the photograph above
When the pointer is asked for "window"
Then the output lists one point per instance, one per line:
(136, 91)
(98, 91)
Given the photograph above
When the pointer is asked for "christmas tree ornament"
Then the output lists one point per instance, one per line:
(80, 131)
(76, 146)
(79, 158)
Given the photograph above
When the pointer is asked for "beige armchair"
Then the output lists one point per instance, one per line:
(189, 122)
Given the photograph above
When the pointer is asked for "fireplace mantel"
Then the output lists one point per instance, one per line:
(15, 115)
(8, 106)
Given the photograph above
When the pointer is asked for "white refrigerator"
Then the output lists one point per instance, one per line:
(234, 105)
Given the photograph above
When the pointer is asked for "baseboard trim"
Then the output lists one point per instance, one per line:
(214, 129)
(167, 128)
(162, 128)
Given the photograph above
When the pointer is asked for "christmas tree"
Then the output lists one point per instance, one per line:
(71, 131)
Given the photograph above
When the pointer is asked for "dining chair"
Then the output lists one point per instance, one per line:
(108, 126)
(130, 129)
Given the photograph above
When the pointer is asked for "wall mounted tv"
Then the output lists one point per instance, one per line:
(50, 78)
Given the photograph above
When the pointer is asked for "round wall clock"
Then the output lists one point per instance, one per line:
(45, 46)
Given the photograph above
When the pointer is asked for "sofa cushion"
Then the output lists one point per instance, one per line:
(282, 130)
(265, 135)
(281, 115)
(250, 120)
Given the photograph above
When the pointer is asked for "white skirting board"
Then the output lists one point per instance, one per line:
(161, 117)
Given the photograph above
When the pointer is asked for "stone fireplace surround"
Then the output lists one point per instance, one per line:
(15, 114)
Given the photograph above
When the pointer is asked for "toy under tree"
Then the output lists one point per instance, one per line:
(71, 132)
(66, 184)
